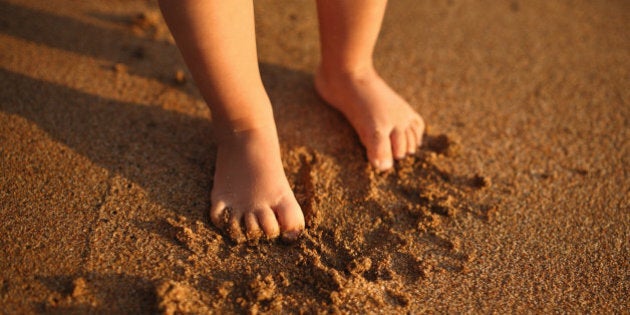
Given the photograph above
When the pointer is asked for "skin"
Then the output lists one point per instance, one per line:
(251, 196)
(386, 124)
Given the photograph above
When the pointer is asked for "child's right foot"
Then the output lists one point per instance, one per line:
(251, 192)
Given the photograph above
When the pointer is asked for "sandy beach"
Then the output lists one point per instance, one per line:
(518, 201)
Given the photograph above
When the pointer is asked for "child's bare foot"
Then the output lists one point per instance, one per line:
(386, 124)
(251, 192)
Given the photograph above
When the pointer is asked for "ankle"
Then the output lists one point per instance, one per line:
(334, 74)
(245, 131)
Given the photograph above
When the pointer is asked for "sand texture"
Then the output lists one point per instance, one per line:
(518, 201)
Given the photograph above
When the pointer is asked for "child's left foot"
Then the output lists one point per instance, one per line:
(387, 126)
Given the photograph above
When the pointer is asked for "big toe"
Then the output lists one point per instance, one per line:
(418, 127)
(291, 218)
(379, 150)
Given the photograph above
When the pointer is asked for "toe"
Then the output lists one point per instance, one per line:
(399, 143)
(418, 129)
(379, 150)
(268, 222)
(290, 217)
(234, 229)
(218, 214)
(252, 228)
(411, 141)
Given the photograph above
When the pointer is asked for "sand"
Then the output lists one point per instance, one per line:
(519, 200)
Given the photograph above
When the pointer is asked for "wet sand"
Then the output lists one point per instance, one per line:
(519, 200)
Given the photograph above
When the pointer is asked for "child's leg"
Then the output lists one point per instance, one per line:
(387, 126)
(217, 40)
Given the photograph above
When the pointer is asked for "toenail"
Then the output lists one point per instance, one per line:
(291, 235)
(383, 165)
